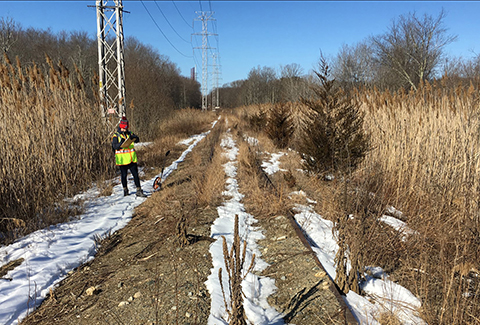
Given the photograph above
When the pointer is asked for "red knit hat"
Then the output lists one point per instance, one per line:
(123, 123)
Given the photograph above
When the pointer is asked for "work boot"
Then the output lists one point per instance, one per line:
(140, 192)
(125, 191)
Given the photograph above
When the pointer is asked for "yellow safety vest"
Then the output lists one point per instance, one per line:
(125, 156)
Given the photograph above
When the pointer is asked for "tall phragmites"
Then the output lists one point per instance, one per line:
(111, 57)
(204, 17)
(49, 112)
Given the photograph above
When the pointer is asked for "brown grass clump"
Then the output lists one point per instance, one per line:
(53, 140)
(181, 229)
(209, 179)
(253, 182)
(186, 122)
(388, 318)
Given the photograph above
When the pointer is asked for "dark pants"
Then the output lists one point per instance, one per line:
(134, 170)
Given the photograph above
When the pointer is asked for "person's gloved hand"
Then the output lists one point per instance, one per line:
(134, 138)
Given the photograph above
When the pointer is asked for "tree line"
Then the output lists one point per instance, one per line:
(409, 53)
(154, 86)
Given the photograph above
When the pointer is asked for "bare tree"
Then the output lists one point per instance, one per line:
(354, 65)
(231, 94)
(293, 86)
(458, 68)
(293, 70)
(413, 47)
(8, 33)
(260, 86)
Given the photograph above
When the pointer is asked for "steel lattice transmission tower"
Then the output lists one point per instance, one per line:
(111, 57)
(204, 17)
(215, 94)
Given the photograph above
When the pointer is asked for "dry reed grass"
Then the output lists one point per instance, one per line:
(53, 140)
(426, 163)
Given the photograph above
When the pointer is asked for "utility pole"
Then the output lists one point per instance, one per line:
(204, 17)
(111, 57)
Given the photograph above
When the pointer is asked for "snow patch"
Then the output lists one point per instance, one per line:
(255, 288)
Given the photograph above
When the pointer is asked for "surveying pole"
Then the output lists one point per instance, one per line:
(111, 57)
(204, 17)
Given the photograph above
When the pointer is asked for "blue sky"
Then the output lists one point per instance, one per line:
(253, 33)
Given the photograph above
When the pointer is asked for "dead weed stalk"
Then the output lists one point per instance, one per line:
(234, 264)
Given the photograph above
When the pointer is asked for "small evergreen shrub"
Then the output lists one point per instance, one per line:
(280, 125)
(333, 136)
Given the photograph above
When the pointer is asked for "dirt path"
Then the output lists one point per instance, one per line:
(142, 275)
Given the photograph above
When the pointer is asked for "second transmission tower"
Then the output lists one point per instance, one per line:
(204, 17)
(215, 94)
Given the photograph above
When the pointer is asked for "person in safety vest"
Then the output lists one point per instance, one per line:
(126, 157)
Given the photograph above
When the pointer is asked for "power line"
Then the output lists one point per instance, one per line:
(195, 59)
(169, 23)
(181, 15)
(193, 48)
(161, 31)
(214, 25)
